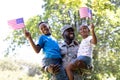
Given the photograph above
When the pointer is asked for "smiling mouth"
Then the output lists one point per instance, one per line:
(71, 35)
(45, 31)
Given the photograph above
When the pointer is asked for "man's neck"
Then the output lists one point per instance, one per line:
(68, 41)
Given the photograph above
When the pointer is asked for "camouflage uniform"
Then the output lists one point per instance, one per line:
(70, 53)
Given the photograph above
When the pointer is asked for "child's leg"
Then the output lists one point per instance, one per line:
(69, 70)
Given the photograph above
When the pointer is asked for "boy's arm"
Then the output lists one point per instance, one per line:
(35, 47)
(94, 38)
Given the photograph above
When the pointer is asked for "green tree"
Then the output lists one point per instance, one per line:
(107, 24)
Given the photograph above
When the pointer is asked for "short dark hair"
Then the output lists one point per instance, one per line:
(40, 23)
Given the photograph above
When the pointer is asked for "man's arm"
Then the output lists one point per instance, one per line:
(53, 69)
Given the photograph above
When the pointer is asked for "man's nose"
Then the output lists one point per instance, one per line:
(71, 31)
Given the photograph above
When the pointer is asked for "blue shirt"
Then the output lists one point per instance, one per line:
(50, 46)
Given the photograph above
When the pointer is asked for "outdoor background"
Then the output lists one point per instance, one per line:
(18, 61)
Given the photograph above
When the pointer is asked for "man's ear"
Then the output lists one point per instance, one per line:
(63, 35)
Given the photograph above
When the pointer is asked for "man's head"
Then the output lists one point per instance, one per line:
(84, 31)
(44, 28)
(67, 32)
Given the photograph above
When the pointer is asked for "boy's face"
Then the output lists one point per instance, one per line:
(84, 31)
(44, 28)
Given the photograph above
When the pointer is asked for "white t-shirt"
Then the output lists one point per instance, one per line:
(85, 48)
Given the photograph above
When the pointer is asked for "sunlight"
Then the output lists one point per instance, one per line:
(12, 9)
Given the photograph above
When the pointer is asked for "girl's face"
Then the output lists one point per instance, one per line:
(84, 31)
(44, 28)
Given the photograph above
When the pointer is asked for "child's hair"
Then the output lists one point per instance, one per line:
(40, 23)
(84, 26)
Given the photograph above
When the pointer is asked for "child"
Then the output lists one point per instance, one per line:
(51, 51)
(84, 55)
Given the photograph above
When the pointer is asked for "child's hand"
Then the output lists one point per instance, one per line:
(27, 34)
(92, 27)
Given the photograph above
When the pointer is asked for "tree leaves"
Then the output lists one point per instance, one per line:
(107, 26)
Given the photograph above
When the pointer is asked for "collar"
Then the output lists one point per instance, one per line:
(65, 44)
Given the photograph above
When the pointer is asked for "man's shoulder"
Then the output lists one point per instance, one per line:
(61, 43)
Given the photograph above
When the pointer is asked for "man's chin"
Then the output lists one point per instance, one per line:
(71, 38)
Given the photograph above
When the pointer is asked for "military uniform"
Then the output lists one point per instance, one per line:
(69, 53)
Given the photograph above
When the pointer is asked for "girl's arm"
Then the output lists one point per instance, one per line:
(94, 38)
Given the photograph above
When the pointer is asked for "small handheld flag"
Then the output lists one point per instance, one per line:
(85, 12)
(16, 23)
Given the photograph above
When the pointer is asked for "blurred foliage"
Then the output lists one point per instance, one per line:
(107, 26)
(11, 69)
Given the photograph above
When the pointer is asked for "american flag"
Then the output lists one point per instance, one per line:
(16, 23)
(89, 13)
(85, 12)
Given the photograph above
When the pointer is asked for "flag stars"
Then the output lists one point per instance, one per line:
(19, 20)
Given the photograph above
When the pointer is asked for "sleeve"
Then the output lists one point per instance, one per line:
(89, 38)
(40, 42)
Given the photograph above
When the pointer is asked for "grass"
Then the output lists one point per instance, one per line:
(18, 70)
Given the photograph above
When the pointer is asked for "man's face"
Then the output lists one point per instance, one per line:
(44, 28)
(69, 34)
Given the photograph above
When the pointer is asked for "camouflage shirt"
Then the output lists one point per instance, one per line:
(69, 52)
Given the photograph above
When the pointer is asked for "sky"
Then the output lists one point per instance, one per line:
(13, 9)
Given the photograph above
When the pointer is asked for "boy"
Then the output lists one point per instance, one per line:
(84, 54)
(51, 51)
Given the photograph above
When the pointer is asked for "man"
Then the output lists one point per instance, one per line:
(69, 47)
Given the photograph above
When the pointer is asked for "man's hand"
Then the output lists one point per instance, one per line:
(53, 69)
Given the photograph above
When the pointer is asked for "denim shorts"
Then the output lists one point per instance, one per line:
(61, 75)
(87, 60)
